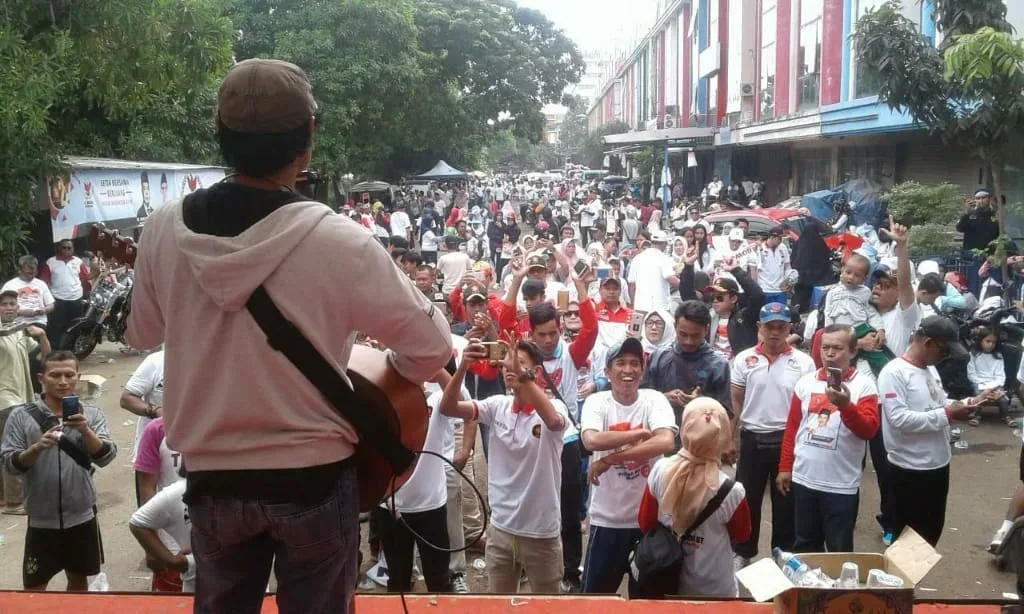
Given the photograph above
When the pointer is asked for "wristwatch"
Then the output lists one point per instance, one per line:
(526, 376)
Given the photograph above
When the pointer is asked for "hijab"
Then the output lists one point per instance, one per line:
(667, 336)
(693, 476)
(811, 257)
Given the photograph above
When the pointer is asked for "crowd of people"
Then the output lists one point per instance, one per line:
(612, 360)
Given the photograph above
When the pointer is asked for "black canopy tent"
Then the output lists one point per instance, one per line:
(442, 171)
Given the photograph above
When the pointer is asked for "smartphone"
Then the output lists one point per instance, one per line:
(495, 350)
(635, 328)
(580, 268)
(70, 406)
(835, 378)
(604, 272)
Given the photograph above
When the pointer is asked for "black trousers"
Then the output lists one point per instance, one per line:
(824, 521)
(398, 541)
(571, 500)
(883, 474)
(64, 313)
(757, 469)
(919, 501)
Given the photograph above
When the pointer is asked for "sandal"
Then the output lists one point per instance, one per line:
(1013, 422)
(974, 421)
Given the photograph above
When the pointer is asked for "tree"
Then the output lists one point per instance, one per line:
(931, 211)
(967, 91)
(402, 83)
(594, 146)
(124, 78)
(573, 135)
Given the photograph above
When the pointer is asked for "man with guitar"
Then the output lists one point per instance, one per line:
(233, 280)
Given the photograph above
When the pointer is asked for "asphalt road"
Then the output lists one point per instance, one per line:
(984, 477)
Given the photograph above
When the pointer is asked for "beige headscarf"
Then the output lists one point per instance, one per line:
(705, 433)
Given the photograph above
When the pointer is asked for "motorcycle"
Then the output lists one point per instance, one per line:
(106, 316)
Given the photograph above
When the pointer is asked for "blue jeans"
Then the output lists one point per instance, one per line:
(824, 521)
(608, 559)
(775, 297)
(313, 548)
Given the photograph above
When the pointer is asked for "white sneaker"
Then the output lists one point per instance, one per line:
(459, 584)
(417, 575)
(996, 545)
(379, 572)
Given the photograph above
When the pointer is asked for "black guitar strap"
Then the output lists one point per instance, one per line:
(372, 426)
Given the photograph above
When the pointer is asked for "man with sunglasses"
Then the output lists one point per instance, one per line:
(916, 415)
(734, 312)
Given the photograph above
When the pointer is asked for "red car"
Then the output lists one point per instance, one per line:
(761, 220)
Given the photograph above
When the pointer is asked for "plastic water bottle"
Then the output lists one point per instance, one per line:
(798, 572)
(879, 579)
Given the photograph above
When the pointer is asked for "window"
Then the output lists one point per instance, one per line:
(865, 82)
(767, 89)
(872, 163)
(813, 170)
(712, 22)
(809, 79)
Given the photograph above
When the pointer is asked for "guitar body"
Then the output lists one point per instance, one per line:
(404, 406)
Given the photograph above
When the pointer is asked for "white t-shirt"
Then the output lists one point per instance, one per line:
(147, 383)
(65, 278)
(650, 271)
(524, 473)
(453, 266)
(167, 514)
(428, 241)
(827, 457)
(616, 501)
(708, 564)
(771, 268)
(768, 386)
(915, 425)
(899, 325)
(400, 224)
(426, 489)
(32, 295)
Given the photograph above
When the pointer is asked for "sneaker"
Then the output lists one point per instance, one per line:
(888, 538)
(18, 510)
(366, 584)
(996, 545)
(417, 575)
(378, 573)
(459, 584)
(570, 586)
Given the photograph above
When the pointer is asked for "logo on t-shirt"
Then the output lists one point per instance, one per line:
(751, 361)
(821, 427)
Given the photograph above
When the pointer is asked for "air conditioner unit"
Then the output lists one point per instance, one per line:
(671, 121)
(747, 90)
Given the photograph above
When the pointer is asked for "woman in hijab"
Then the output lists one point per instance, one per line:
(812, 260)
(657, 333)
(680, 486)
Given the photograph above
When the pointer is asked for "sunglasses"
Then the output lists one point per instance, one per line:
(572, 314)
(721, 297)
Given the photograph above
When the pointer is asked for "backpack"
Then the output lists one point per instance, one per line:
(656, 562)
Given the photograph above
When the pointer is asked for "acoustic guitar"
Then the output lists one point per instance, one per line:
(404, 406)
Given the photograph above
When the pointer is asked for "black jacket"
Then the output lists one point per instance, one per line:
(980, 228)
(743, 321)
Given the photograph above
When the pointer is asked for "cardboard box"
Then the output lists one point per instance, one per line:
(910, 557)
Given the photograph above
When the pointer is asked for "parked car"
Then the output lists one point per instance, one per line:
(761, 221)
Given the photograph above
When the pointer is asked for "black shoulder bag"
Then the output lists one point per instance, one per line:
(656, 563)
(80, 456)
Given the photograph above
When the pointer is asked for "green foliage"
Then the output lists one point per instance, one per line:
(402, 83)
(573, 136)
(123, 78)
(985, 54)
(915, 204)
(929, 240)
(505, 151)
(594, 147)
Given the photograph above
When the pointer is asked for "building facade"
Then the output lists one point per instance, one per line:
(778, 83)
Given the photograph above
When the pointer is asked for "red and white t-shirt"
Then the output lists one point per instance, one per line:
(524, 467)
(708, 564)
(768, 385)
(613, 503)
(32, 295)
(824, 445)
(721, 338)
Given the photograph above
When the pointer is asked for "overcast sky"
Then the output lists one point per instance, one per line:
(597, 24)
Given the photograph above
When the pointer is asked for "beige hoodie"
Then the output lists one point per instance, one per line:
(230, 401)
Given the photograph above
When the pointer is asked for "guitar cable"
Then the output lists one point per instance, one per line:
(419, 538)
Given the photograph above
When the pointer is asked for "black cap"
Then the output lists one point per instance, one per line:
(938, 327)
(722, 285)
(631, 345)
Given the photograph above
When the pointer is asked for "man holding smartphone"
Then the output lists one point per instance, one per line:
(54, 443)
(833, 414)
